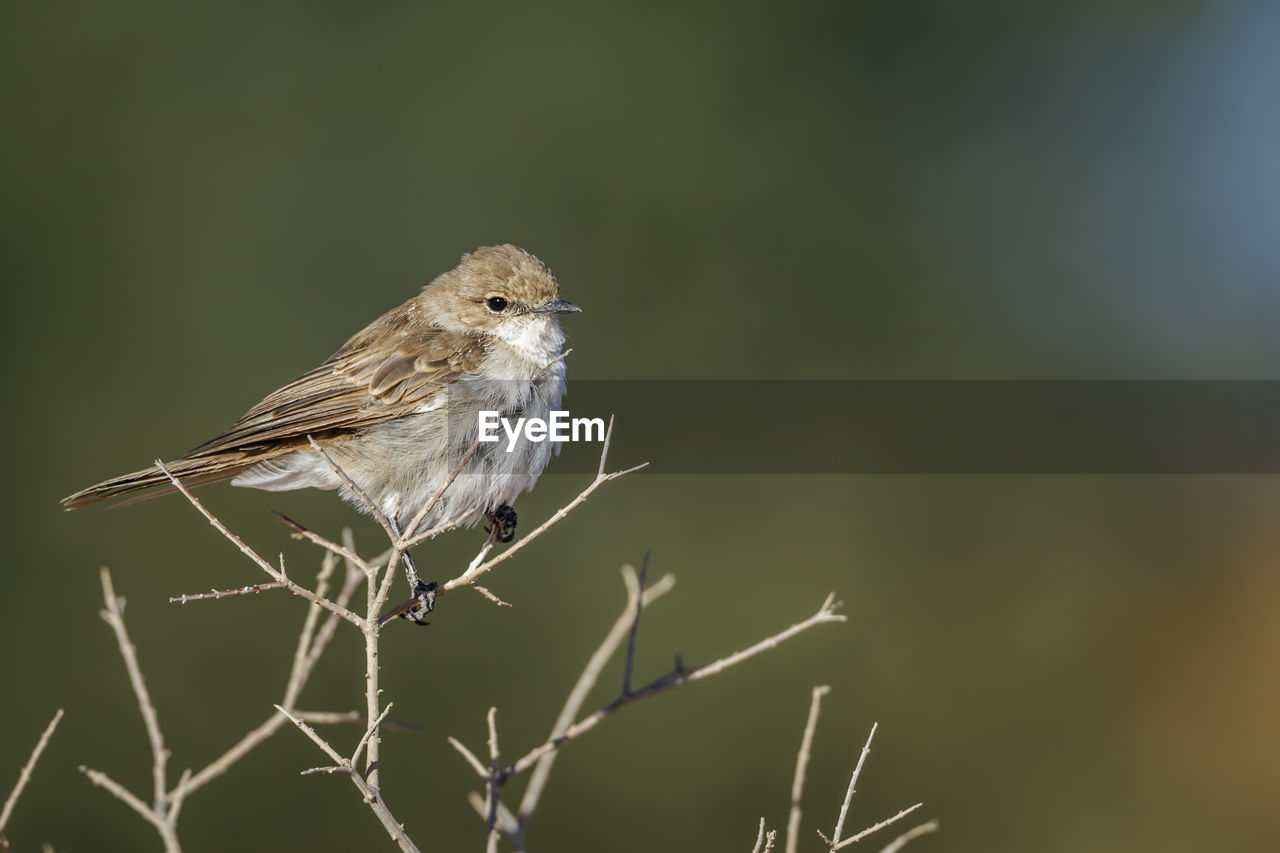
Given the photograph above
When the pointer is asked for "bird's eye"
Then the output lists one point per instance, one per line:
(496, 304)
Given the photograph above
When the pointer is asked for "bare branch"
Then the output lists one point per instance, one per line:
(276, 574)
(506, 821)
(228, 593)
(802, 762)
(368, 733)
(408, 537)
(759, 839)
(24, 775)
(484, 591)
(826, 613)
(587, 680)
(338, 718)
(355, 576)
(470, 758)
(218, 525)
(113, 615)
(178, 796)
(853, 784)
(306, 729)
(910, 835)
(604, 448)
(298, 677)
(635, 627)
(854, 839)
(491, 786)
(672, 680)
(124, 795)
(357, 490)
(302, 651)
(316, 539)
(370, 795)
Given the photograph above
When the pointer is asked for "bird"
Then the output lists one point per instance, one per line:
(396, 408)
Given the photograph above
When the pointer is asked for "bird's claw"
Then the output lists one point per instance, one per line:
(424, 597)
(503, 521)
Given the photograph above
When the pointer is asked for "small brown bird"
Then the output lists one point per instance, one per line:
(397, 406)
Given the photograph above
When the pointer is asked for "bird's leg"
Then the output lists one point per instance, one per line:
(424, 594)
(410, 570)
(416, 608)
(502, 523)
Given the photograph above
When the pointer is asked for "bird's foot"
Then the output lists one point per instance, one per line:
(422, 603)
(502, 523)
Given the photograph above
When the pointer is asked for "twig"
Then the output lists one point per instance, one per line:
(910, 835)
(470, 758)
(408, 539)
(178, 796)
(853, 784)
(338, 718)
(302, 651)
(298, 677)
(506, 821)
(835, 842)
(356, 489)
(163, 812)
(370, 795)
(635, 627)
(762, 839)
(587, 680)
(469, 576)
(124, 795)
(802, 762)
(368, 732)
(271, 570)
(227, 593)
(113, 615)
(316, 539)
(876, 827)
(667, 682)
(491, 788)
(24, 775)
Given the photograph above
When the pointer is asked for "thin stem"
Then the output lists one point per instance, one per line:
(635, 627)
(910, 835)
(853, 784)
(670, 681)
(587, 680)
(24, 775)
(271, 570)
(802, 763)
(875, 827)
(370, 795)
(491, 787)
(356, 489)
(408, 539)
(150, 719)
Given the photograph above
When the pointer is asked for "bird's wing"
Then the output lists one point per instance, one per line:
(390, 369)
(383, 372)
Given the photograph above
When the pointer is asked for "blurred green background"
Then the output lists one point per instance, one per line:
(200, 201)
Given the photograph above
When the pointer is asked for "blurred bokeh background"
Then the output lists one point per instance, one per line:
(200, 201)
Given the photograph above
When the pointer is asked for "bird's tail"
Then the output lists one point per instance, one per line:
(192, 471)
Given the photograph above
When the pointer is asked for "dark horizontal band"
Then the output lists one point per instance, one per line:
(932, 427)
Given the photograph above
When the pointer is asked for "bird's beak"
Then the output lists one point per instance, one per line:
(558, 306)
